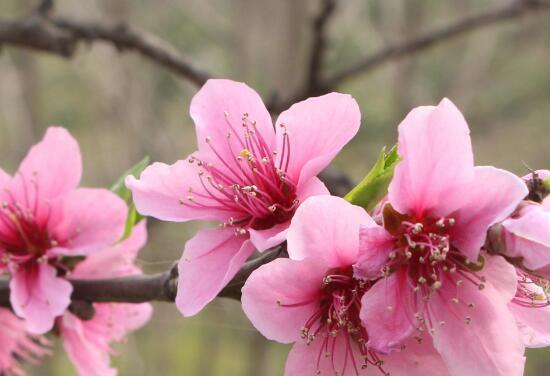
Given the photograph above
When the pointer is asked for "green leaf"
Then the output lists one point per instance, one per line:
(120, 189)
(546, 184)
(374, 186)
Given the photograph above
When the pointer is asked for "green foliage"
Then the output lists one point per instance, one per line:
(374, 186)
(546, 184)
(123, 192)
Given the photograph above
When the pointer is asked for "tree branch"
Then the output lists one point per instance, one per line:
(319, 45)
(61, 36)
(160, 287)
(514, 10)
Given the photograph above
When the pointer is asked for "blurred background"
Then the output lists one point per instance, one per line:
(121, 107)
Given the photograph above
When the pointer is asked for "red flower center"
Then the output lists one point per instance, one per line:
(338, 315)
(252, 184)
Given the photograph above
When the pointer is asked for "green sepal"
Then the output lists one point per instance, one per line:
(546, 184)
(123, 192)
(374, 187)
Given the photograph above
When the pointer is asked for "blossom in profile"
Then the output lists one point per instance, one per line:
(245, 175)
(88, 342)
(525, 235)
(44, 219)
(18, 346)
(435, 283)
(314, 299)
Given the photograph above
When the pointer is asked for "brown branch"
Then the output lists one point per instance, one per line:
(61, 36)
(319, 46)
(514, 10)
(160, 287)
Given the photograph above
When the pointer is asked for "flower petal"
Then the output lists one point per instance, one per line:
(533, 323)
(4, 178)
(218, 109)
(276, 284)
(483, 340)
(117, 260)
(437, 166)
(327, 227)
(269, 238)
(317, 128)
(163, 191)
(528, 237)
(38, 296)
(387, 312)
(493, 196)
(86, 220)
(210, 259)
(54, 163)
(375, 245)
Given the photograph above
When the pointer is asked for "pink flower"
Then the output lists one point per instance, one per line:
(45, 217)
(88, 343)
(531, 307)
(526, 235)
(314, 300)
(245, 175)
(17, 345)
(434, 226)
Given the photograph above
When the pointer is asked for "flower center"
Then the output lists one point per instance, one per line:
(338, 315)
(22, 235)
(423, 247)
(252, 183)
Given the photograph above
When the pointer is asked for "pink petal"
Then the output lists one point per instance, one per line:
(86, 220)
(278, 283)
(38, 296)
(493, 196)
(117, 260)
(312, 187)
(528, 236)
(327, 227)
(437, 167)
(318, 128)
(387, 312)
(54, 163)
(375, 245)
(501, 275)
(305, 360)
(210, 259)
(269, 238)
(217, 109)
(87, 350)
(533, 323)
(489, 345)
(162, 191)
(417, 359)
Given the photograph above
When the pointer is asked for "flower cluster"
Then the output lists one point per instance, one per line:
(448, 275)
(51, 231)
(427, 285)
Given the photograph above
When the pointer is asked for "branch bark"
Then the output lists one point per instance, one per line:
(161, 287)
(61, 36)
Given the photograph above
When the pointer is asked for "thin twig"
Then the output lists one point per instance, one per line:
(511, 11)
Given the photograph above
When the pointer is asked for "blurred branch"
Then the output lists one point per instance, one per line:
(143, 288)
(319, 45)
(515, 9)
(61, 36)
(512, 11)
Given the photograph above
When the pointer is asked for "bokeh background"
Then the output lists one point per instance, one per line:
(121, 107)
